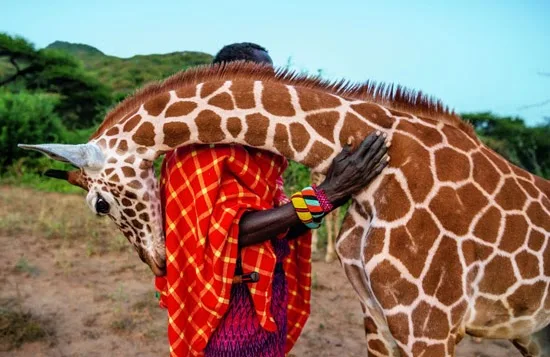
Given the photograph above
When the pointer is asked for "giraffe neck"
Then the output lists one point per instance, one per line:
(302, 124)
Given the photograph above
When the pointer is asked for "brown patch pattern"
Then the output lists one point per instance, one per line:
(179, 109)
(256, 133)
(175, 134)
(444, 277)
(209, 125)
(324, 123)
(223, 101)
(156, 105)
(234, 126)
(276, 100)
(145, 135)
(299, 136)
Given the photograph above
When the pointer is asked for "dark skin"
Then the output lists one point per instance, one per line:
(348, 173)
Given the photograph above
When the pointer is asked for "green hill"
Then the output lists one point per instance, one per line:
(123, 75)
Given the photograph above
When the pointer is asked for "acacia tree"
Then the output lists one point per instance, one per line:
(82, 98)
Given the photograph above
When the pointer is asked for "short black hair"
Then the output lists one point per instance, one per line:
(244, 51)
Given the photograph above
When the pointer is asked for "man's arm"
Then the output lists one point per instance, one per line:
(348, 173)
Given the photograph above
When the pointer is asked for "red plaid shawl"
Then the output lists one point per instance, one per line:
(205, 191)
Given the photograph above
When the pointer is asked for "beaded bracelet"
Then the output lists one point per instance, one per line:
(311, 205)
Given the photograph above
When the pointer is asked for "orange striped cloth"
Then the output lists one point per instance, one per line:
(205, 190)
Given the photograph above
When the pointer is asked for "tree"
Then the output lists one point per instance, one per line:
(82, 98)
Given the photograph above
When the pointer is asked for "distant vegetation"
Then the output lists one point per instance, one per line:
(62, 92)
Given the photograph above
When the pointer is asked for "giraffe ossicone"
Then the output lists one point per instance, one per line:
(449, 239)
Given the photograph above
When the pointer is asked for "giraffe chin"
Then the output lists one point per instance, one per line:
(158, 269)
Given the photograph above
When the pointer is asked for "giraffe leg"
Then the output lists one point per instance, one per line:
(535, 345)
(330, 224)
(314, 241)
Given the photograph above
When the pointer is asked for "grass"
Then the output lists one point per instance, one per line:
(18, 326)
(54, 216)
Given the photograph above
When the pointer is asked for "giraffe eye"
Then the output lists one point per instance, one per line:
(102, 206)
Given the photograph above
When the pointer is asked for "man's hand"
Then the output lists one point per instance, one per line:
(351, 172)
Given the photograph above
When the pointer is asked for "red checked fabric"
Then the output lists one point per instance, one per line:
(205, 190)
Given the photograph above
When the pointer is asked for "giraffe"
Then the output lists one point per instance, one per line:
(450, 239)
(332, 225)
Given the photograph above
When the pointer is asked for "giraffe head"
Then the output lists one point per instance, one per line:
(121, 186)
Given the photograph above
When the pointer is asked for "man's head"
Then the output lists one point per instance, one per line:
(243, 51)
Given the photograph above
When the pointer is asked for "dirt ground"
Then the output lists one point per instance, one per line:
(98, 298)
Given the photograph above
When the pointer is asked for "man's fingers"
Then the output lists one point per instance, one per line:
(368, 142)
(369, 162)
(365, 154)
(378, 168)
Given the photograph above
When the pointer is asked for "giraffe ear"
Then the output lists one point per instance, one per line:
(80, 155)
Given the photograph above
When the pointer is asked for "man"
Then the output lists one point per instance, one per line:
(269, 262)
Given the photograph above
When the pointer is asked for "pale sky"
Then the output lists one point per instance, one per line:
(474, 55)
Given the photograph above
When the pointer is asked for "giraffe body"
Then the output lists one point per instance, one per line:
(450, 239)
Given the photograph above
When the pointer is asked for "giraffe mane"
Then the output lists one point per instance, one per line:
(392, 96)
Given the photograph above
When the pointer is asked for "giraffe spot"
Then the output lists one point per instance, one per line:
(256, 132)
(243, 93)
(210, 87)
(318, 153)
(175, 134)
(390, 200)
(538, 217)
(186, 92)
(112, 143)
(546, 260)
(209, 125)
(126, 202)
(128, 116)
(515, 233)
(543, 186)
(137, 224)
(145, 196)
(276, 100)
(144, 216)
(355, 128)
(490, 312)
(427, 135)
(374, 114)
(145, 164)
(140, 206)
(390, 288)
(374, 242)
(299, 136)
(444, 277)
(399, 327)
(113, 131)
(122, 147)
(109, 171)
(129, 212)
(455, 209)
(457, 313)
(180, 109)
(425, 350)
(411, 244)
(135, 184)
(234, 126)
(484, 173)
(145, 135)
(498, 276)
(102, 143)
(497, 160)
(114, 178)
(536, 240)
(223, 101)
(128, 171)
(378, 346)
(510, 196)
(282, 141)
(529, 188)
(324, 124)
(458, 139)
(488, 225)
(451, 165)
(431, 322)
(130, 159)
(475, 252)
(520, 172)
(313, 100)
(528, 265)
(348, 245)
(130, 195)
(414, 161)
(527, 298)
(370, 325)
(399, 114)
(156, 105)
